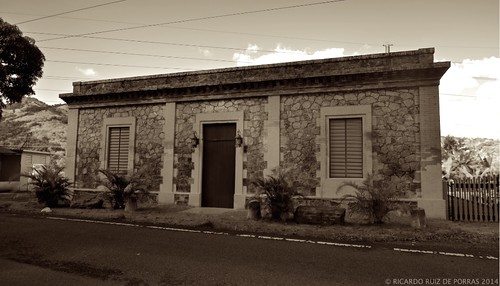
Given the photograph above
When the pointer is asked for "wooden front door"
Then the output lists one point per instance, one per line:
(218, 173)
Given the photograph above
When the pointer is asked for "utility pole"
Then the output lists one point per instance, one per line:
(387, 47)
(26, 141)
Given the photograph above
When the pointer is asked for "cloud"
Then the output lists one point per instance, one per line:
(252, 48)
(205, 52)
(470, 74)
(87, 71)
(469, 91)
(282, 54)
(470, 99)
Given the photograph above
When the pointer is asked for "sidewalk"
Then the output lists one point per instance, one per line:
(438, 233)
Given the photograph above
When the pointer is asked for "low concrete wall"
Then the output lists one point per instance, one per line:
(10, 186)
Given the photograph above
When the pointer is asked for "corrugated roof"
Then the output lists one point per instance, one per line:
(9, 151)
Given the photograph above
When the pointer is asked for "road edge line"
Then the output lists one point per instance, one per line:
(266, 237)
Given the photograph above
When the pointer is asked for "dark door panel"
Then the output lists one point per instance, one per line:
(218, 165)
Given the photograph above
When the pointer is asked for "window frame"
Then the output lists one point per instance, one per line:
(329, 186)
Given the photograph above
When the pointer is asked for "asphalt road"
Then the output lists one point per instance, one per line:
(41, 251)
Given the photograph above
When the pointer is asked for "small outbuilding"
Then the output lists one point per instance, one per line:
(14, 162)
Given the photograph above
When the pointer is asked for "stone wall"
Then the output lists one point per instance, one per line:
(395, 134)
(148, 145)
(298, 132)
(254, 117)
(398, 90)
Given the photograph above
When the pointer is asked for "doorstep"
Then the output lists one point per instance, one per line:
(200, 210)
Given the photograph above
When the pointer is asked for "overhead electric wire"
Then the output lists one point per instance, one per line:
(454, 94)
(197, 29)
(57, 77)
(67, 12)
(119, 65)
(227, 32)
(172, 44)
(249, 34)
(48, 89)
(136, 54)
(197, 19)
(221, 31)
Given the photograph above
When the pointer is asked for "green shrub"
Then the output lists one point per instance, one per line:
(372, 199)
(124, 186)
(50, 185)
(277, 195)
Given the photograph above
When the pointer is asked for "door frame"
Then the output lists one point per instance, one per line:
(196, 187)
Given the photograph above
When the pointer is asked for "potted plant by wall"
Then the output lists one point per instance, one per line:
(373, 199)
(50, 186)
(125, 190)
(276, 195)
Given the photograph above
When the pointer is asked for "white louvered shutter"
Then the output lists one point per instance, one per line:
(346, 148)
(118, 149)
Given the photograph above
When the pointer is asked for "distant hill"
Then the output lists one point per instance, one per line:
(35, 125)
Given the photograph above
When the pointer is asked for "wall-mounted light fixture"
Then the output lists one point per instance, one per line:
(238, 139)
(195, 140)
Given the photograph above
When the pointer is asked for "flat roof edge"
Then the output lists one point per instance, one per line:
(263, 66)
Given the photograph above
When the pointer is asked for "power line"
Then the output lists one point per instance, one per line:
(67, 12)
(198, 19)
(454, 94)
(136, 54)
(46, 89)
(201, 30)
(63, 78)
(218, 31)
(252, 34)
(232, 32)
(267, 35)
(118, 65)
(168, 43)
(60, 76)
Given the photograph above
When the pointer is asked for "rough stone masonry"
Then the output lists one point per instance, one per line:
(282, 111)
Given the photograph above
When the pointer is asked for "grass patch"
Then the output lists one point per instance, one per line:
(397, 229)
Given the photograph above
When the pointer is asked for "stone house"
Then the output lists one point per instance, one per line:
(328, 121)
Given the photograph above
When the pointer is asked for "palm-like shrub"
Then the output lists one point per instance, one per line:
(50, 185)
(123, 187)
(277, 195)
(372, 199)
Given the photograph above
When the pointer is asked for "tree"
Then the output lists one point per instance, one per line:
(467, 158)
(21, 64)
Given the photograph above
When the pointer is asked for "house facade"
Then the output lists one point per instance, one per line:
(204, 136)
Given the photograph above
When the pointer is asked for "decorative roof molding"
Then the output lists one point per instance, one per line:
(382, 70)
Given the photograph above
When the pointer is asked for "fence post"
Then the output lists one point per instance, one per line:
(496, 193)
(449, 208)
(473, 199)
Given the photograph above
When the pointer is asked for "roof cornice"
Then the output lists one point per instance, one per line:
(325, 73)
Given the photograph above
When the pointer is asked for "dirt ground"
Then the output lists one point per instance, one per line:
(397, 229)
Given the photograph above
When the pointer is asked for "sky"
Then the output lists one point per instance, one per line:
(103, 39)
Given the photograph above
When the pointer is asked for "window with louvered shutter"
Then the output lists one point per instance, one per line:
(346, 147)
(118, 146)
